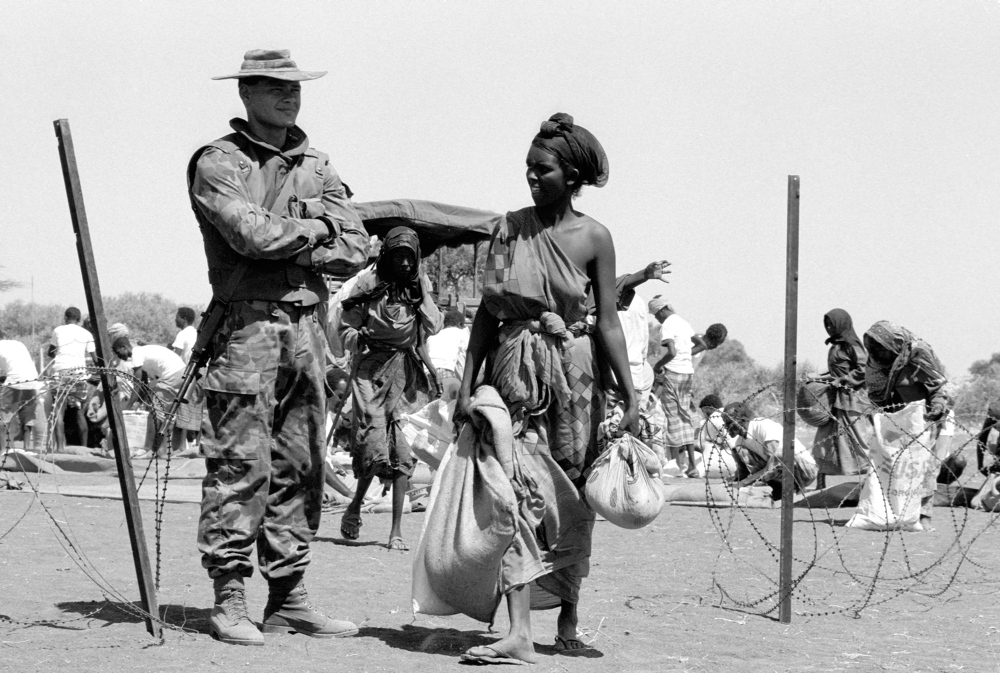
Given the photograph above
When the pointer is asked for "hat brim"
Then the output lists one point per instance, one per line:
(288, 76)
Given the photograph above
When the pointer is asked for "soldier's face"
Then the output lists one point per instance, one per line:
(272, 102)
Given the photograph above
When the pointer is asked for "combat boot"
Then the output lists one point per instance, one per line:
(288, 611)
(230, 622)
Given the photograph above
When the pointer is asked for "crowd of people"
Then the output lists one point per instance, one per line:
(558, 336)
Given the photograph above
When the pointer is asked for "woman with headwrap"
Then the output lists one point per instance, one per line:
(386, 320)
(841, 447)
(543, 359)
(902, 370)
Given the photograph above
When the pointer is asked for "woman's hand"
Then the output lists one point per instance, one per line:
(463, 405)
(629, 423)
(437, 390)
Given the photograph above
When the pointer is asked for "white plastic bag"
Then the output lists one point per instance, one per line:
(900, 452)
(620, 487)
(430, 431)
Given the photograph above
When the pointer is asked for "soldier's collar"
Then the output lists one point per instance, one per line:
(296, 142)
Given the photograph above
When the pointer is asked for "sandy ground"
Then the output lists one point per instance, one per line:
(652, 602)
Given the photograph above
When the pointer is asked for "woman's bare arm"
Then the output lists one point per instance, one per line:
(485, 330)
(609, 333)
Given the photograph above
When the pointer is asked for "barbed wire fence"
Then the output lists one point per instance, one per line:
(899, 565)
(60, 390)
(871, 568)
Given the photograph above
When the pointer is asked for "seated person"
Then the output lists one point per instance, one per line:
(713, 441)
(985, 445)
(758, 451)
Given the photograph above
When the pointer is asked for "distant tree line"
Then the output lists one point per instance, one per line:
(149, 317)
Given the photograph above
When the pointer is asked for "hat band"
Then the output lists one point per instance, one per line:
(277, 64)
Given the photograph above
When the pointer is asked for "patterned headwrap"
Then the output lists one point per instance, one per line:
(575, 146)
(881, 379)
(404, 290)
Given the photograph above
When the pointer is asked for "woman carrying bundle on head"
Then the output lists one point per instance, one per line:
(841, 446)
(386, 320)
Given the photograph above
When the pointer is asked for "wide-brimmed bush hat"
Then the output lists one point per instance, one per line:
(273, 63)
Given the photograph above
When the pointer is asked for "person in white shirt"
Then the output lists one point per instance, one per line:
(19, 398)
(674, 372)
(190, 414)
(164, 368)
(447, 352)
(184, 342)
(758, 451)
(632, 315)
(72, 348)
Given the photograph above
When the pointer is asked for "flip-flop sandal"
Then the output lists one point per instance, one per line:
(484, 655)
(570, 646)
(350, 525)
(397, 544)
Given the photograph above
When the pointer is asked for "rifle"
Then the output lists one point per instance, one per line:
(212, 317)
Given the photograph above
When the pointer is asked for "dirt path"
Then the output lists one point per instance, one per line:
(649, 605)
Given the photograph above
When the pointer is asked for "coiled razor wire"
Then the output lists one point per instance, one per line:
(930, 579)
(61, 389)
(876, 583)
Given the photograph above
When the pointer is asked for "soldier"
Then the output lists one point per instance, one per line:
(274, 216)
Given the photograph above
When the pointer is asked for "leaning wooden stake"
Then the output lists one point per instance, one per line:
(95, 305)
(788, 450)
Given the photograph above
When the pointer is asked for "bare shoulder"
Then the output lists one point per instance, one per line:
(595, 232)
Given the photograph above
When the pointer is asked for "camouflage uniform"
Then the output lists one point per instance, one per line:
(264, 395)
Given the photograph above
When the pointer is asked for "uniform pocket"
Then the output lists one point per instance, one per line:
(232, 380)
(235, 426)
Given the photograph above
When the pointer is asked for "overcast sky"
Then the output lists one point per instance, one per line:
(889, 112)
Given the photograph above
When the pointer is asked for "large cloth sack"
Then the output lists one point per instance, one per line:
(901, 449)
(471, 519)
(813, 403)
(620, 487)
(430, 431)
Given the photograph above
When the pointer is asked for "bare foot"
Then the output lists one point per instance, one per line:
(511, 647)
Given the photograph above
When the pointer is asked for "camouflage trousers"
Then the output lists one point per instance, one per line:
(263, 439)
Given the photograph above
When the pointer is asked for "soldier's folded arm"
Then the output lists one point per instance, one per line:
(250, 229)
(346, 250)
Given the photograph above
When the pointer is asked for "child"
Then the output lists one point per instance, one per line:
(386, 320)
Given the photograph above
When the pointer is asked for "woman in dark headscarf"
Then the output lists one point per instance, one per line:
(544, 361)
(903, 369)
(386, 320)
(841, 447)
